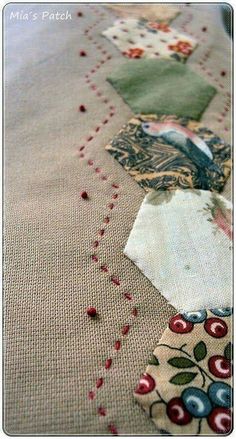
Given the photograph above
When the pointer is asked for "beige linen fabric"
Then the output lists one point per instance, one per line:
(53, 352)
(151, 12)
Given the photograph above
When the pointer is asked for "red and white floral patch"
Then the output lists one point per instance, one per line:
(149, 39)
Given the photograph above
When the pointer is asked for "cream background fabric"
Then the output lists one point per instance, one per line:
(185, 255)
(131, 34)
(53, 354)
(182, 345)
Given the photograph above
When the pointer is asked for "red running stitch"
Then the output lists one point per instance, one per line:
(101, 410)
(94, 87)
(112, 428)
(117, 345)
(108, 363)
(128, 296)
(99, 383)
(94, 258)
(91, 395)
(97, 129)
(115, 280)
(125, 329)
(208, 72)
(97, 170)
(104, 268)
(205, 56)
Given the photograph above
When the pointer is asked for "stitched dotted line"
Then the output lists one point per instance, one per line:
(93, 134)
(94, 257)
(227, 96)
(102, 411)
(204, 58)
(186, 22)
(98, 93)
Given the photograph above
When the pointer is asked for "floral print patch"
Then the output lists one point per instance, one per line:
(181, 241)
(149, 39)
(219, 215)
(167, 152)
(187, 386)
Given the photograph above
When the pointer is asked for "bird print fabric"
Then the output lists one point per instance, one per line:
(185, 141)
(167, 152)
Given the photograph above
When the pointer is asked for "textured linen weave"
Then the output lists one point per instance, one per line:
(53, 354)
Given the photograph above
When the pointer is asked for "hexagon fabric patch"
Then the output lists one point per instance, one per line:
(162, 86)
(181, 241)
(149, 39)
(187, 386)
(167, 152)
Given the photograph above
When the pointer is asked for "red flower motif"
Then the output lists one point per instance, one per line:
(220, 366)
(215, 327)
(179, 325)
(159, 26)
(220, 420)
(181, 47)
(135, 52)
(146, 384)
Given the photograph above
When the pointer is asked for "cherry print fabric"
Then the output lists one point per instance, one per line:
(167, 152)
(187, 386)
(149, 39)
(55, 354)
(181, 241)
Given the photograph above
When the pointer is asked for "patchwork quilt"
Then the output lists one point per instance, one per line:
(100, 134)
